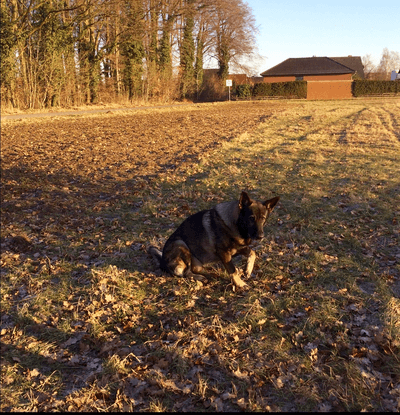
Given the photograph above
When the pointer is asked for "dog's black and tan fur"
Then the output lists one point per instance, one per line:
(216, 235)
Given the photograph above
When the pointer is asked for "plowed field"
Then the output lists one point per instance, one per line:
(127, 146)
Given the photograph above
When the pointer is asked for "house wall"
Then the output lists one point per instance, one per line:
(271, 79)
(329, 89)
(342, 77)
(346, 76)
(322, 86)
(239, 79)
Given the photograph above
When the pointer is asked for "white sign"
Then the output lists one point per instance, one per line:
(229, 82)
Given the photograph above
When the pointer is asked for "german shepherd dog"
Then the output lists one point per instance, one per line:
(216, 234)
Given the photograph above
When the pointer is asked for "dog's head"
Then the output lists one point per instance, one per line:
(253, 215)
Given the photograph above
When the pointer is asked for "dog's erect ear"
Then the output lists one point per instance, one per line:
(270, 204)
(244, 200)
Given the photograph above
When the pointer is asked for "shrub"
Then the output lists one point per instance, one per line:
(262, 90)
(213, 89)
(243, 91)
(293, 89)
(366, 87)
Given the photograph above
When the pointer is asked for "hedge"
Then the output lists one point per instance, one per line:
(296, 89)
(365, 87)
(244, 91)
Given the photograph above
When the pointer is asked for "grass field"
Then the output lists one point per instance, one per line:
(88, 323)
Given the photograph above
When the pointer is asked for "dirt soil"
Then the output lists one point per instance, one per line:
(67, 165)
(141, 144)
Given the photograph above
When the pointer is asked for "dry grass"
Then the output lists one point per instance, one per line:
(120, 105)
(88, 323)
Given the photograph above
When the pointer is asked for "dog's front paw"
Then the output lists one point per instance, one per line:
(201, 278)
(246, 275)
(238, 282)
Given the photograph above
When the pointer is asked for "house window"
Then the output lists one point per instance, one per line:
(299, 78)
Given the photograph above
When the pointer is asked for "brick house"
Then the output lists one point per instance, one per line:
(327, 78)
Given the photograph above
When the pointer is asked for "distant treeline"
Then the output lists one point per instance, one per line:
(73, 52)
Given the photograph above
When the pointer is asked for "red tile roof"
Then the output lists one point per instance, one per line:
(309, 66)
(353, 62)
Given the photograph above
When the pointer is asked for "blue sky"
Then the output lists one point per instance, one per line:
(295, 29)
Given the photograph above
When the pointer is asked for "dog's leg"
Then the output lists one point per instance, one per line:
(250, 259)
(198, 271)
(232, 271)
(175, 258)
(250, 263)
(237, 281)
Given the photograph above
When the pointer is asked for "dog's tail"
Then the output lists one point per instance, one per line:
(155, 253)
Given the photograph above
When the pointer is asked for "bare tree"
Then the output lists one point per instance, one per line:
(235, 30)
(369, 66)
(63, 52)
(390, 61)
(187, 52)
